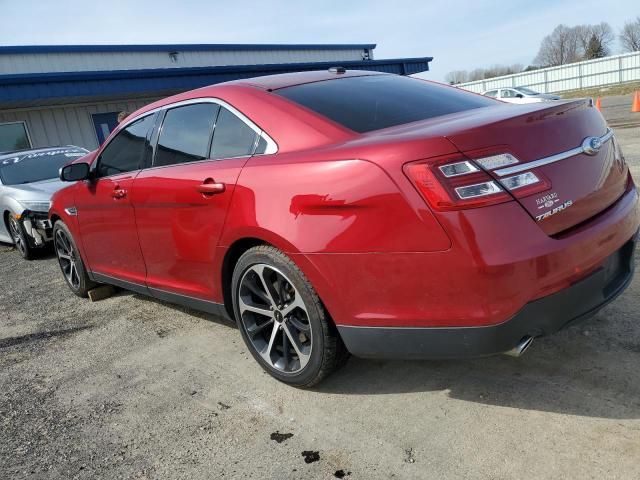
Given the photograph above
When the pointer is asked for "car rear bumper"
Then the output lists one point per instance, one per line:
(541, 317)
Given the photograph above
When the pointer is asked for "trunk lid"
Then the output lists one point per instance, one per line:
(548, 140)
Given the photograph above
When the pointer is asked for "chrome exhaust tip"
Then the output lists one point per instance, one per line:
(520, 348)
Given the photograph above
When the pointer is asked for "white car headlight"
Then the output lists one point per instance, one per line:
(36, 205)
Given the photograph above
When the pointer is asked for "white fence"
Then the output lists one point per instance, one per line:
(574, 76)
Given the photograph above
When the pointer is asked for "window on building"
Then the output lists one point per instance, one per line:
(232, 137)
(14, 136)
(186, 133)
(126, 151)
(104, 124)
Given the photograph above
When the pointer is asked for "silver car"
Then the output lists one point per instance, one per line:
(28, 179)
(520, 95)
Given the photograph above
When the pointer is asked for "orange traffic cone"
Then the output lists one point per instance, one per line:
(599, 103)
(635, 105)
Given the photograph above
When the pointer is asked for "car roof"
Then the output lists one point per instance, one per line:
(27, 151)
(283, 80)
(266, 83)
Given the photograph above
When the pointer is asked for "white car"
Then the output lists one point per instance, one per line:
(28, 179)
(520, 95)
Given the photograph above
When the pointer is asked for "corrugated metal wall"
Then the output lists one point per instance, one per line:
(67, 125)
(575, 76)
(99, 61)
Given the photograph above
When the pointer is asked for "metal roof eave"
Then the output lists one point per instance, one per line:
(63, 87)
(192, 47)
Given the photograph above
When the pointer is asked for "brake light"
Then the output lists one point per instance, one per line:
(455, 184)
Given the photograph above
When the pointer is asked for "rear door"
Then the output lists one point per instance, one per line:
(566, 146)
(181, 201)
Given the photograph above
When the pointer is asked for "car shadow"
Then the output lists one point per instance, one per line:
(179, 308)
(44, 253)
(568, 373)
(35, 337)
(590, 369)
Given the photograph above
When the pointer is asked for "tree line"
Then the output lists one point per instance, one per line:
(562, 46)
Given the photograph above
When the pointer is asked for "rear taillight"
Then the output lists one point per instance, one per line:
(525, 184)
(456, 183)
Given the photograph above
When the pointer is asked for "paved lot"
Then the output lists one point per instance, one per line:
(132, 388)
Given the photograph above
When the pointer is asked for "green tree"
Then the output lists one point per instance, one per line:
(594, 49)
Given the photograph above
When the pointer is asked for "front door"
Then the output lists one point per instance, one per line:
(181, 202)
(105, 214)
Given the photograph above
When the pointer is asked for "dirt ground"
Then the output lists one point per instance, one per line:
(129, 387)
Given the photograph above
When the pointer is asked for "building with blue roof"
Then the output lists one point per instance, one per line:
(72, 94)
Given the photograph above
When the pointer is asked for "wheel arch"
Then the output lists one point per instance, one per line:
(5, 221)
(241, 245)
(231, 257)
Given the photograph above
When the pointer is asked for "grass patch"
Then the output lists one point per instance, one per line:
(620, 89)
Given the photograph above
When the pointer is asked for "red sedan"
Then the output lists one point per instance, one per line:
(355, 212)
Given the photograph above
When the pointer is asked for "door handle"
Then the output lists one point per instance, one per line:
(211, 187)
(119, 193)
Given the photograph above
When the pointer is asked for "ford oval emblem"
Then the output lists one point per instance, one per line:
(591, 145)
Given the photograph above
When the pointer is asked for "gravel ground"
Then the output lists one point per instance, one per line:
(129, 387)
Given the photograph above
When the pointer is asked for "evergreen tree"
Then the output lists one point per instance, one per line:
(594, 49)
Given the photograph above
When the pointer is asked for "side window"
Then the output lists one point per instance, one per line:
(506, 93)
(186, 133)
(232, 137)
(126, 151)
(492, 93)
(262, 146)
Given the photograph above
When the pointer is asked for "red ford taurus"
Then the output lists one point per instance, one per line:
(340, 212)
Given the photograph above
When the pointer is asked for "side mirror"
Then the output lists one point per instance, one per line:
(519, 95)
(74, 172)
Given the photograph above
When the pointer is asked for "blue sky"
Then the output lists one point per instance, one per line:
(459, 34)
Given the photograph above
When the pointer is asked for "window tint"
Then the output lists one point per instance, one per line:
(372, 102)
(126, 151)
(232, 137)
(186, 132)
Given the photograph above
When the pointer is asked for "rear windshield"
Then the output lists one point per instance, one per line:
(373, 102)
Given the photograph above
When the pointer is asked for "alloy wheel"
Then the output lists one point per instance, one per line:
(275, 318)
(67, 259)
(18, 240)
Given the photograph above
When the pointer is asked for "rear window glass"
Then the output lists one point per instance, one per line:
(373, 102)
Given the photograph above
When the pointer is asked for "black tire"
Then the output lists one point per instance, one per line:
(324, 350)
(20, 238)
(70, 260)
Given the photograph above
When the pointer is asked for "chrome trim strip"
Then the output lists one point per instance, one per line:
(548, 160)
(272, 146)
